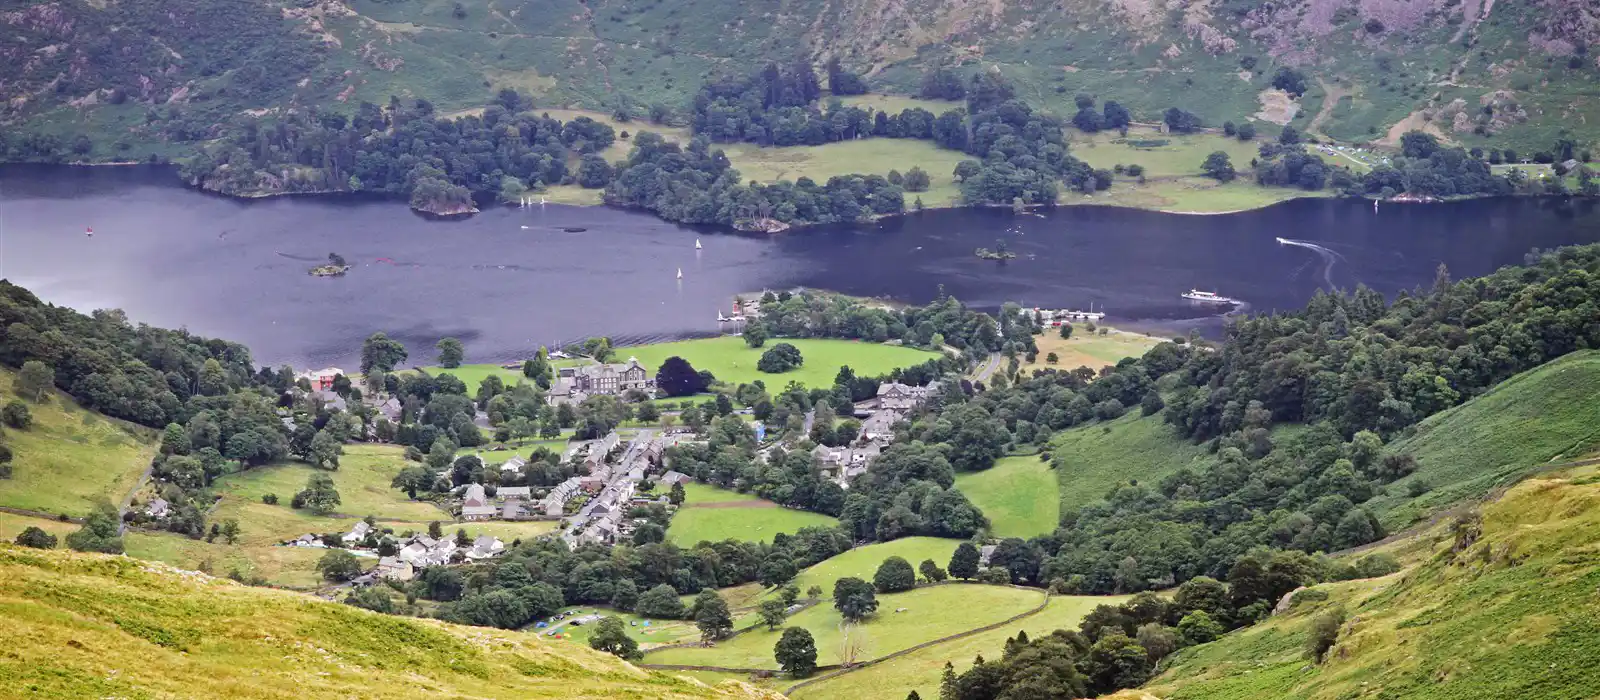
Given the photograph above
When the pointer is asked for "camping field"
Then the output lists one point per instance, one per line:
(70, 458)
(926, 614)
(1019, 495)
(1085, 349)
(713, 514)
(920, 670)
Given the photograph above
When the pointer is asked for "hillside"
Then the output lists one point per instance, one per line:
(1542, 416)
(137, 78)
(98, 626)
(1510, 613)
(70, 458)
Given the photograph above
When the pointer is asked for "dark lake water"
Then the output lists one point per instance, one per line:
(508, 280)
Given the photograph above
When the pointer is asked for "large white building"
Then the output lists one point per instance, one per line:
(578, 383)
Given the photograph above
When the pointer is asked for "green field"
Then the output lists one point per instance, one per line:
(12, 525)
(81, 626)
(713, 514)
(874, 156)
(71, 458)
(862, 562)
(1547, 414)
(1085, 349)
(930, 613)
(1089, 460)
(921, 669)
(735, 363)
(290, 567)
(1513, 616)
(657, 633)
(363, 478)
(732, 361)
(1019, 495)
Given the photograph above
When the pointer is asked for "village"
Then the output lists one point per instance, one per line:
(613, 475)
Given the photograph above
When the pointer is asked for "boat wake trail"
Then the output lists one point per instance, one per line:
(1329, 257)
(301, 258)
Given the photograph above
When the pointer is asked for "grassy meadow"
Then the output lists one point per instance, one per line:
(733, 362)
(862, 562)
(1085, 349)
(71, 458)
(98, 626)
(363, 478)
(1172, 177)
(1544, 415)
(931, 612)
(1091, 459)
(1019, 495)
(920, 670)
(874, 156)
(12, 525)
(713, 514)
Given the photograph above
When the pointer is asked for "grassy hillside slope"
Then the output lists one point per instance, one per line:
(1545, 415)
(86, 66)
(71, 458)
(97, 626)
(1512, 614)
(1091, 459)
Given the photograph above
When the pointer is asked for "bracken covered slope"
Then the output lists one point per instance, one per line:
(79, 626)
(1516, 72)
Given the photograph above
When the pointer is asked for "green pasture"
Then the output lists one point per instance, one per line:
(1091, 459)
(862, 562)
(713, 514)
(928, 613)
(1019, 495)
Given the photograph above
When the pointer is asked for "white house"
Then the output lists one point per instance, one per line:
(357, 534)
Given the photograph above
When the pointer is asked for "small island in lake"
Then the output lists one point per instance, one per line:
(1000, 252)
(336, 267)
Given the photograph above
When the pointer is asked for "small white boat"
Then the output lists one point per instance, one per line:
(1208, 297)
(1280, 240)
(680, 273)
(697, 245)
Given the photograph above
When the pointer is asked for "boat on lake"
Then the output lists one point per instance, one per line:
(1208, 297)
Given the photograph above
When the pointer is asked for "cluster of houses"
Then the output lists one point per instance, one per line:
(603, 519)
(574, 384)
(893, 402)
(414, 553)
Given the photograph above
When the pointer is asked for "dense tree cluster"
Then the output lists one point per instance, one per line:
(698, 185)
(134, 372)
(536, 578)
(945, 321)
(404, 150)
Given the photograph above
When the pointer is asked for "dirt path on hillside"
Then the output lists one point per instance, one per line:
(1333, 93)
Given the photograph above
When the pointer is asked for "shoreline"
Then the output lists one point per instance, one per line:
(1033, 210)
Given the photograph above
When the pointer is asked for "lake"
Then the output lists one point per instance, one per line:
(509, 280)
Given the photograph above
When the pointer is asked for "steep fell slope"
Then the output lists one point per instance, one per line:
(98, 626)
(132, 75)
(1501, 605)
